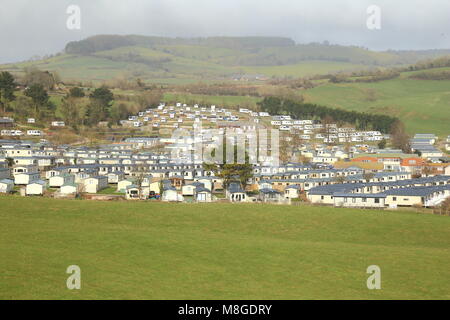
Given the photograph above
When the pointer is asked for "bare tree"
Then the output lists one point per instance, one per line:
(139, 180)
(400, 139)
(327, 128)
(339, 179)
(367, 176)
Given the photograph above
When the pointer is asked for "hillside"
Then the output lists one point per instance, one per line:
(176, 60)
(423, 105)
(147, 250)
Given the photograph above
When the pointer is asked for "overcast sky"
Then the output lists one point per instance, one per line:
(29, 27)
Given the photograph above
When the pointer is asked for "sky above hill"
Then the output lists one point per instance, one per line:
(29, 28)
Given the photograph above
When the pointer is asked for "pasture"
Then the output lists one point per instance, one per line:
(423, 105)
(150, 250)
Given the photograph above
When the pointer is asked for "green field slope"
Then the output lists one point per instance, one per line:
(218, 251)
(177, 60)
(424, 105)
(159, 67)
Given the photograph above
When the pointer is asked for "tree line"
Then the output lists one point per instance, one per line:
(78, 106)
(375, 76)
(300, 110)
(431, 75)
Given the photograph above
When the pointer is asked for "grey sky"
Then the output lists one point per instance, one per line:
(29, 27)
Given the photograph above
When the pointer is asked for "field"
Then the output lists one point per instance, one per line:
(179, 70)
(303, 69)
(180, 61)
(150, 250)
(424, 105)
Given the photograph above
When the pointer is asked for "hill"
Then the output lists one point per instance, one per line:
(177, 60)
(423, 105)
(148, 250)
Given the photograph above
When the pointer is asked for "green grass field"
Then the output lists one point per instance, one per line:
(181, 64)
(424, 105)
(142, 250)
(303, 69)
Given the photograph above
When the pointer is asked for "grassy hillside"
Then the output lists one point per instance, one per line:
(176, 60)
(424, 105)
(159, 67)
(218, 251)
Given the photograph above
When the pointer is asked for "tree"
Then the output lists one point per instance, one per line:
(235, 172)
(39, 97)
(367, 176)
(10, 162)
(96, 112)
(285, 150)
(400, 139)
(100, 105)
(76, 92)
(304, 160)
(444, 208)
(382, 144)
(232, 171)
(119, 112)
(102, 95)
(339, 179)
(35, 76)
(327, 123)
(427, 171)
(71, 112)
(23, 107)
(7, 86)
(300, 110)
(149, 99)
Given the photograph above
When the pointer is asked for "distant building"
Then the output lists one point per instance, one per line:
(6, 123)
(58, 124)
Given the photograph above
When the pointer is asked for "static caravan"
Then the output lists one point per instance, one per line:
(171, 194)
(83, 175)
(58, 181)
(54, 172)
(5, 173)
(203, 195)
(359, 200)
(58, 124)
(35, 188)
(25, 169)
(235, 193)
(188, 190)
(26, 178)
(6, 186)
(34, 133)
(132, 192)
(123, 184)
(152, 188)
(292, 192)
(115, 177)
(95, 184)
(69, 189)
